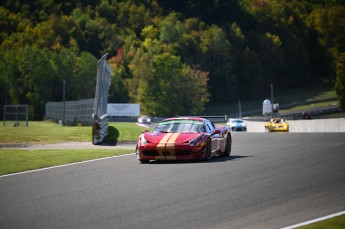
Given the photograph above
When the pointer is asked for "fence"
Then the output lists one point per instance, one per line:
(75, 111)
(16, 114)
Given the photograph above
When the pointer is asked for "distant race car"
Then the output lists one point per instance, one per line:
(144, 119)
(184, 138)
(277, 125)
(236, 125)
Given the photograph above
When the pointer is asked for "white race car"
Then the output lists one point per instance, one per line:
(236, 125)
(144, 119)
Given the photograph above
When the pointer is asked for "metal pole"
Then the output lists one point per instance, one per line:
(64, 102)
(4, 115)
(272, 99)
(240, 109)
(27, 115)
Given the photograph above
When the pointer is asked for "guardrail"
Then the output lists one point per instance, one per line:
(215, 118)
(99, 129)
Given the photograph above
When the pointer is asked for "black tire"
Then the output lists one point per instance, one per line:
(141, 161)
(228, 146)
(144, 161)
(208, 150)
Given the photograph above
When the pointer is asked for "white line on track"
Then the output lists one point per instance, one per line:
(59, 166)
(314, 220)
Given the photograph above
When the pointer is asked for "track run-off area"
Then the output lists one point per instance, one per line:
(271, 180)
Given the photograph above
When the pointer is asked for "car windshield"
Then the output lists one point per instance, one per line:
(180, 126)
(237, 121)
(277, 120)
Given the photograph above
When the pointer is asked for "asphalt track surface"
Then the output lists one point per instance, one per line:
(271, 180)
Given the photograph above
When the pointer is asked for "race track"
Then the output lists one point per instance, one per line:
(271, 180)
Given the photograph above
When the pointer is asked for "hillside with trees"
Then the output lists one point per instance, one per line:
(171, 57)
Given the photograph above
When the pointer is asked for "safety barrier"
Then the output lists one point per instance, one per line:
(100, 116)
(99, 129)
(304, 126)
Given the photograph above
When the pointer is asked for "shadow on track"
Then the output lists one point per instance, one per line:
(224, 159)
(213, 160)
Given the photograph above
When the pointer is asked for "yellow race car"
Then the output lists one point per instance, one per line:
(277, 125)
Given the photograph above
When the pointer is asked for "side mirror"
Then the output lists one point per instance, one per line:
(145, 131)
(215, 132)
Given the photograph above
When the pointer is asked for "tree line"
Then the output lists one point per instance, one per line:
(171, 57)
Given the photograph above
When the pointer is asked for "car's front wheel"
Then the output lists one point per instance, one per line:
(228, 146)
(208, 150)
(142, 161)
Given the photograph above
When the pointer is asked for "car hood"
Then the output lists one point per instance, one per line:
(238, 124)
(162, 138)
(277, 125)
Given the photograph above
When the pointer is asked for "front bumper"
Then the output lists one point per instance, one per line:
(278, 128)
(172, 152)
(238, 128)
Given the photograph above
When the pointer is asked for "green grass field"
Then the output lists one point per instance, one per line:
(43, 132)
(18, 160)
(309, 106)
(13, 160)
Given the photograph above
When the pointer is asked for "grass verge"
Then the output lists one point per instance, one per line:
(309, 106)
(287, 96)
(334, 223)
(44, 132)
(14, 161)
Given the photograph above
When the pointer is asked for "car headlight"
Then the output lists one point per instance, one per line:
(195, 140)
(143, 140)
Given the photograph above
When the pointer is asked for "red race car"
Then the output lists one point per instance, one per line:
(183, 138)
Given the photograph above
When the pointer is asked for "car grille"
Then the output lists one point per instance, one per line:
(150, 153)
(182, 152)
(167, 153)
(238, 128)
